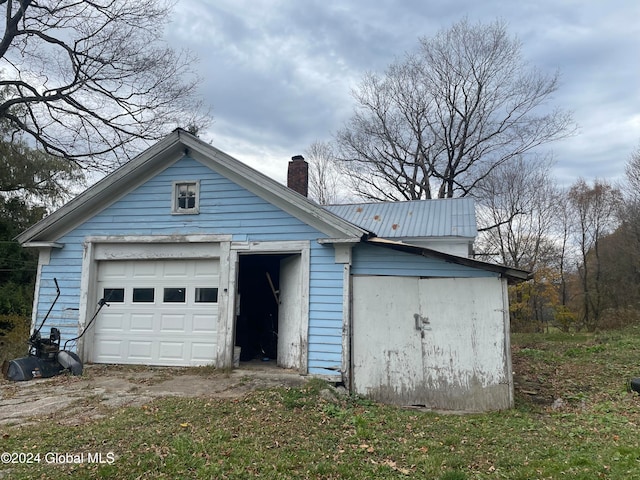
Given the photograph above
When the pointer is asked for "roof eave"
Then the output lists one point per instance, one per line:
(513, 275)
(281, 195)
(164, 153)
(43, 245)
(65, 217)
(334, 241)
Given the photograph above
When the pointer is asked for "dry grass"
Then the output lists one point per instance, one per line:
(291, 433)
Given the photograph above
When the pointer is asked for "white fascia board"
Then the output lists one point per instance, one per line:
(272, 191)
(333, 241)
(43, 245)
(102, 194)
(443, 239)
(163, 154)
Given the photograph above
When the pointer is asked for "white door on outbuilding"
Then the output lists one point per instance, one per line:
(439, 342)
(289, 313)
(160, 312)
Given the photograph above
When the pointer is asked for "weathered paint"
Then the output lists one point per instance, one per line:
(438, 342)
(231, 221)
(225, 209)
(437, 218)
(374, 260)
(289, 318)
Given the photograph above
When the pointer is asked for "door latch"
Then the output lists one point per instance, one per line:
(422, 323)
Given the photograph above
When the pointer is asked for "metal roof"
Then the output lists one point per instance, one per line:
(449, 217)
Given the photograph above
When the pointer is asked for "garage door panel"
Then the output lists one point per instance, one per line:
(175, 323)
(171, 351)
(205, 270)
(387, 354)
(175, 269)
(201, 351)
(140, 350)
(144, 270)
(114, 270)
(148, 330)
(142, 322)
(112, 322)
(204, 323)
(110, 348)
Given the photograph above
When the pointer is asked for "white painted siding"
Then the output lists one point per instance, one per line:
(289, 318)
(453, 356)
(453, 246)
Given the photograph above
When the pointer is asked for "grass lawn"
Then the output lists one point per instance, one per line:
(574, 418)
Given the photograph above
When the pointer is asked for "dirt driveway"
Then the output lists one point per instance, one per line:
(76, 400)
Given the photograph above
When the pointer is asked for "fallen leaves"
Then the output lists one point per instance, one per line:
(394, 466)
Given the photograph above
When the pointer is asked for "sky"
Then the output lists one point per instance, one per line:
(279, 74)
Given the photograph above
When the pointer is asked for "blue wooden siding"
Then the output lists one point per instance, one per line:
(375, 260)
(325, 311)
(225, 208)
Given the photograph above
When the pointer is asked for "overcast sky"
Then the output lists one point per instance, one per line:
(278, 75)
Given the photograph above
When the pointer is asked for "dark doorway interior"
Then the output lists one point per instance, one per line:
(257, 311)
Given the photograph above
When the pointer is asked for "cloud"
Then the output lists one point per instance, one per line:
(278, 74)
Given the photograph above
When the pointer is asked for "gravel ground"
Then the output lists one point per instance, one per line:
(74, 400)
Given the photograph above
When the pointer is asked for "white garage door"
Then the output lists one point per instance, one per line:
(161, 312)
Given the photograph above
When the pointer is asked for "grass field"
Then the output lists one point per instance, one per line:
(574, 418)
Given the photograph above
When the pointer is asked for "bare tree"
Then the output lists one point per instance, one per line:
(83, 79)
(324, 177)
(518, 220)
(632, 173)
(594, 210)
(630, 207)
(620, 251)
(443, 118)
(630, 211)
(517, 213)
(565, 250)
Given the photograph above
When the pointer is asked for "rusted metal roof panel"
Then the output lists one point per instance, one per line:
(450, 217)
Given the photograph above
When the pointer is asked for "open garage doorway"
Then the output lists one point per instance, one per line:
(268, 309)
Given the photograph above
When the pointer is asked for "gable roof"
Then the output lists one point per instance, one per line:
(450, 217)
(165, 153)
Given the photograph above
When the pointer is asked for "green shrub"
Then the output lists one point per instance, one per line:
(564, 319)
(16, 298)
(13, 340)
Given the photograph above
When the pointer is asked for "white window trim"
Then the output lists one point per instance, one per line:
(174, 198)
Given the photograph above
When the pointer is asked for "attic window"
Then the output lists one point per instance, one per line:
(186, 197)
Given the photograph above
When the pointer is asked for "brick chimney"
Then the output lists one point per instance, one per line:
(298, 175)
